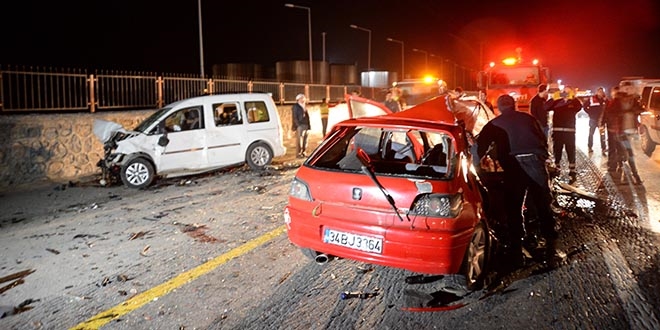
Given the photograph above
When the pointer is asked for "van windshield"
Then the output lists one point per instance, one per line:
(142, 127)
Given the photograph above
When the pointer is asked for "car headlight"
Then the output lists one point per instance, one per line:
(300, 190)
(438, 205)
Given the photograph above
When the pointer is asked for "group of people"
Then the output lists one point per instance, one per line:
(520, 143)
(613, 119)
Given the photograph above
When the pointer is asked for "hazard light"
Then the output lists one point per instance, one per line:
(429, 79)
(509, 61)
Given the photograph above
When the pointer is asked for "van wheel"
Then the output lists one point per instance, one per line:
(476, 258)
(258, 156)
(645, 141)
(137, 173)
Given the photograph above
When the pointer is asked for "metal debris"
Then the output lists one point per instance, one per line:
(53, 251)
(138, 235)
(145, 250)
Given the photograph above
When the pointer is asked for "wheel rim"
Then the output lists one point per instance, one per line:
(476, 255)
(260, 156)
(137, 174)
(644, 139)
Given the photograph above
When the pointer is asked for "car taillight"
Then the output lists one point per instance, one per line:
(300, 190)
(438, 205)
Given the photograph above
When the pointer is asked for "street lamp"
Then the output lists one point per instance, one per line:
(426, 57)
(441, 62)
(403, 76)
(309, 32)
(353, 26)
(201, 43)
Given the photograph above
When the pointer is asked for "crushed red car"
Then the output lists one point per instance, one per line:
(397, 189)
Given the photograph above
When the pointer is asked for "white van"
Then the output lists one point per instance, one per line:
(192, 136)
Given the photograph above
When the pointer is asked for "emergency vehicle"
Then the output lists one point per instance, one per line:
(515, 77)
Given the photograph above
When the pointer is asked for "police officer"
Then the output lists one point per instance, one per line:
(563, 128)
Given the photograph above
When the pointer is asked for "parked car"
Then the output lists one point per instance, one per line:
(193, 136)
(649, 120)
(397, 190)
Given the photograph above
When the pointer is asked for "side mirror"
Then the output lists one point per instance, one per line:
(163, 140)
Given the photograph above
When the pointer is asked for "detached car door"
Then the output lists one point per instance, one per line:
(187, 142)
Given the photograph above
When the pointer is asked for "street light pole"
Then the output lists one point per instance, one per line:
(309, 33)
(403, 75)
(323, 34)
(426, 57)
(369, 47)
(201, 42)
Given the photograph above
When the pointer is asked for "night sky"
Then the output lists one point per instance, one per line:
(585, 43)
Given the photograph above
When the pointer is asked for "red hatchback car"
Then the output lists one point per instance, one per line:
(397, 190)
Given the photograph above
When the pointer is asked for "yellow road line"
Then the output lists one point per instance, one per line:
(144, 298)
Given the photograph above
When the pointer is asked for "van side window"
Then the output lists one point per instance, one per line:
(257, 112)
(226, 114)
(184, 120)
(655, 98)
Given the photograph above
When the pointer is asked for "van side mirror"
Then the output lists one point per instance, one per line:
(163, 140)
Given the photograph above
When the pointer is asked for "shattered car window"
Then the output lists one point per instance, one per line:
(396, 152)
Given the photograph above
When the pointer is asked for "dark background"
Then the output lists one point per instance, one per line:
(585, 43)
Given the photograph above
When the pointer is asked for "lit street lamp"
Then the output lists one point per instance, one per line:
(353, 26)
(403, 76)
(426, 57)
(309, 32)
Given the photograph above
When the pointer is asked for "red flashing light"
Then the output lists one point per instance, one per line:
(535, 62)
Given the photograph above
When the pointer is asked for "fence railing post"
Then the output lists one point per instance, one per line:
(250, 86)
(159, 92)
(209, 87)
(282, 97)
(92, 93)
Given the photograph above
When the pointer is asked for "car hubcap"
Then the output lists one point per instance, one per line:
(260, 156)
(644, 139)
(137, 174)
(476, 256)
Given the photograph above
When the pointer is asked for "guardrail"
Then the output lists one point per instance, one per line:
(29, 90)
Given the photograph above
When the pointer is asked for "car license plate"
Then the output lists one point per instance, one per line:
(353, 241)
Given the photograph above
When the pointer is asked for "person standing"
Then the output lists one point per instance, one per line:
(483, 97)
(391, 103)
(521, 149)
(620, 115)
(594, 106)
(611, 120)
(324, 109)
(537, 108)
(563, 128)
(301, 124)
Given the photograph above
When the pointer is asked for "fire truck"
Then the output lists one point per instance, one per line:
(515, 77)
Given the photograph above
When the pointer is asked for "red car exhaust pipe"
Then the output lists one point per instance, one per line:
(321, 258)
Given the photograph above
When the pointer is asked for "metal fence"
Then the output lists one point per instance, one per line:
(30, 89)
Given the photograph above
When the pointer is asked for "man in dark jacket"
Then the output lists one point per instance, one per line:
(301, 124)
(537, 107)
(521, 149)
(594, 106)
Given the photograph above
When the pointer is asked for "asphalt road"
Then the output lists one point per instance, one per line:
(211, 252)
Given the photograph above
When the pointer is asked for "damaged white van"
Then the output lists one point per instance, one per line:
(192, 136)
